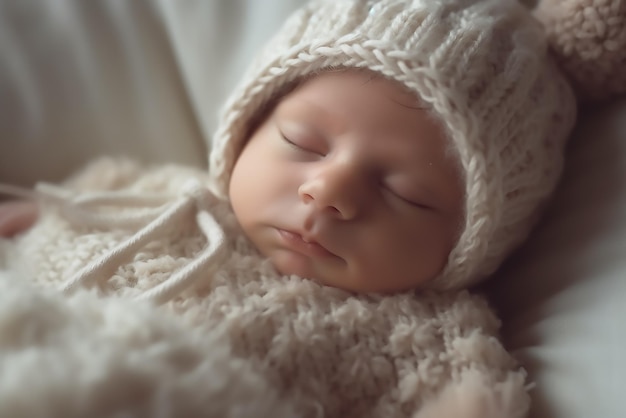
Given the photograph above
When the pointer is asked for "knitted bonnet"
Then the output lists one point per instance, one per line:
(481, 65)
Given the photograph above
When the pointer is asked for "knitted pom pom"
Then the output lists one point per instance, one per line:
(589, 40)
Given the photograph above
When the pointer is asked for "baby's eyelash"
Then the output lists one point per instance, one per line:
(289, 141)
(406, 200)
(297, 146)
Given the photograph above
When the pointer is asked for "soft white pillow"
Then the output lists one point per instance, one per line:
(141, 78)
(563, 296)
(81, 79)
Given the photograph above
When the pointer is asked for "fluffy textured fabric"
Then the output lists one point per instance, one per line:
(484, 69)
(82, 356)
(324, 351)
(589, 39)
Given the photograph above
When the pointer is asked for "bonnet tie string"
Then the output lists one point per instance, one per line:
(156, 215)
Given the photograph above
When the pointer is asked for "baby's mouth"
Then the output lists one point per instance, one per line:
(304, 245)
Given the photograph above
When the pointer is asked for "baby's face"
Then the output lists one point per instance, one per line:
(349, 183)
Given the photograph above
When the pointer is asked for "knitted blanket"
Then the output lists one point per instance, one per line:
(243, 341)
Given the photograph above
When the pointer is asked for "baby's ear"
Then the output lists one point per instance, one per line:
(588, 38)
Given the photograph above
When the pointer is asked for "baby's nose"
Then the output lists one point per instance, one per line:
(337, 191)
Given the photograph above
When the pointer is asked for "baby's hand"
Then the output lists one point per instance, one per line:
(16, 216)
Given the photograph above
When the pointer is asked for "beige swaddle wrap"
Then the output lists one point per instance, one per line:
(318, 350)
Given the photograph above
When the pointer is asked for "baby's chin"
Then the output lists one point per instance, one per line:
(331, 274)
(288, 263)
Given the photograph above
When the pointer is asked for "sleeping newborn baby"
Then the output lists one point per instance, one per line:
(377, 160)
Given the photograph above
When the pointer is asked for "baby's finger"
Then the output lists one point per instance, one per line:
(16, 217)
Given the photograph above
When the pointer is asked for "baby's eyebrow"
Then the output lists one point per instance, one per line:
(418, 105)
(321, 114)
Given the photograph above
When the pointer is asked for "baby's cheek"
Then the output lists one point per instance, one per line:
(407, 259)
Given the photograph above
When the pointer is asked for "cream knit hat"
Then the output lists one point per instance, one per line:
(483, 67)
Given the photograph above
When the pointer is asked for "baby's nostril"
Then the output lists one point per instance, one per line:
(307, 197)
(334, 210)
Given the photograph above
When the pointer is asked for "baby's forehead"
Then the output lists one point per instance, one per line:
(369, 106)
(334, 100)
